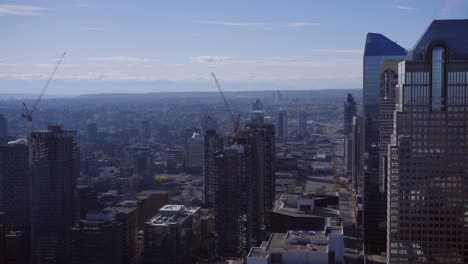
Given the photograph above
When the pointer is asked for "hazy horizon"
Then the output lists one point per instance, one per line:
(154, 46)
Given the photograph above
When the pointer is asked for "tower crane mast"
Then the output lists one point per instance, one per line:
(234, 120)
(27, 114)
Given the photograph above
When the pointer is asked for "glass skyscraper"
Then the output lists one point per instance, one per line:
(378, 48)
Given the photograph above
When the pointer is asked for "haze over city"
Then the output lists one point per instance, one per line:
(154, 46)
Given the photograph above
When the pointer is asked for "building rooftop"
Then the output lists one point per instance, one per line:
(454, 32)
(379, 45)
(287, 204)
(172, 215)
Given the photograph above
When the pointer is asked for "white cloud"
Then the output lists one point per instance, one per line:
(94, 28)
(302, 24)
(235, 24)
(450, 5)
(409, 8)
(21, 10)
(350, 51)
(121, 59)
(209, 59)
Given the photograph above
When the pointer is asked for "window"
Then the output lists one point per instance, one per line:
(438, 77)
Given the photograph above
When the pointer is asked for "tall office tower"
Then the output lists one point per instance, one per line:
(143, 166)
(211, 143)
(378, 48)
(194, 153)
(283, 125)
(428, 155)
(15, 186)
(145, 129)
(349, 113)
(55, 168)
(256, 113)
(208, 123)
(388, 92)
(170, 235)
(92, 132)
(357, 156)
(233, 201)
(3, 129)
(302, 124)
(98, 239)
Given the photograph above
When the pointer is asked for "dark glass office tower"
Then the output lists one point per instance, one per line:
(428, 155)
(378, 48)
(349, 113)
(283, 125)
(55, 168)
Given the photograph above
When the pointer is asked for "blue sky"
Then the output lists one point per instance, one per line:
(151, 46)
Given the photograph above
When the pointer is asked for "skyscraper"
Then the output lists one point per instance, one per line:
(15, 186)
(211, 144)
(55, 168)
(349, 113)
(194, 153)
(233, 197)
(378, 48)
(256, 113)
(283, 125)
(302, 124)
(428, 165)
(388, 96)
(3, 129)
(244, 189)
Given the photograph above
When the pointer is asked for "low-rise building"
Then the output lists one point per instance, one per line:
(296, 247)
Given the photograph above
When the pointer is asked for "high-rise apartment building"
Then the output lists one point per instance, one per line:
(233, 201)
(428, 155)
(211, 143)
(378, 48)
(244, 189)
(283, 125)
(55, 168)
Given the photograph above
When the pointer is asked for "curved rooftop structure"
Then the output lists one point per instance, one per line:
(454, 32)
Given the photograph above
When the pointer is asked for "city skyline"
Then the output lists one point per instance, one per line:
(116, 47)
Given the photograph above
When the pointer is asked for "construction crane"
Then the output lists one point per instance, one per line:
(234, 120)
(28, 112)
